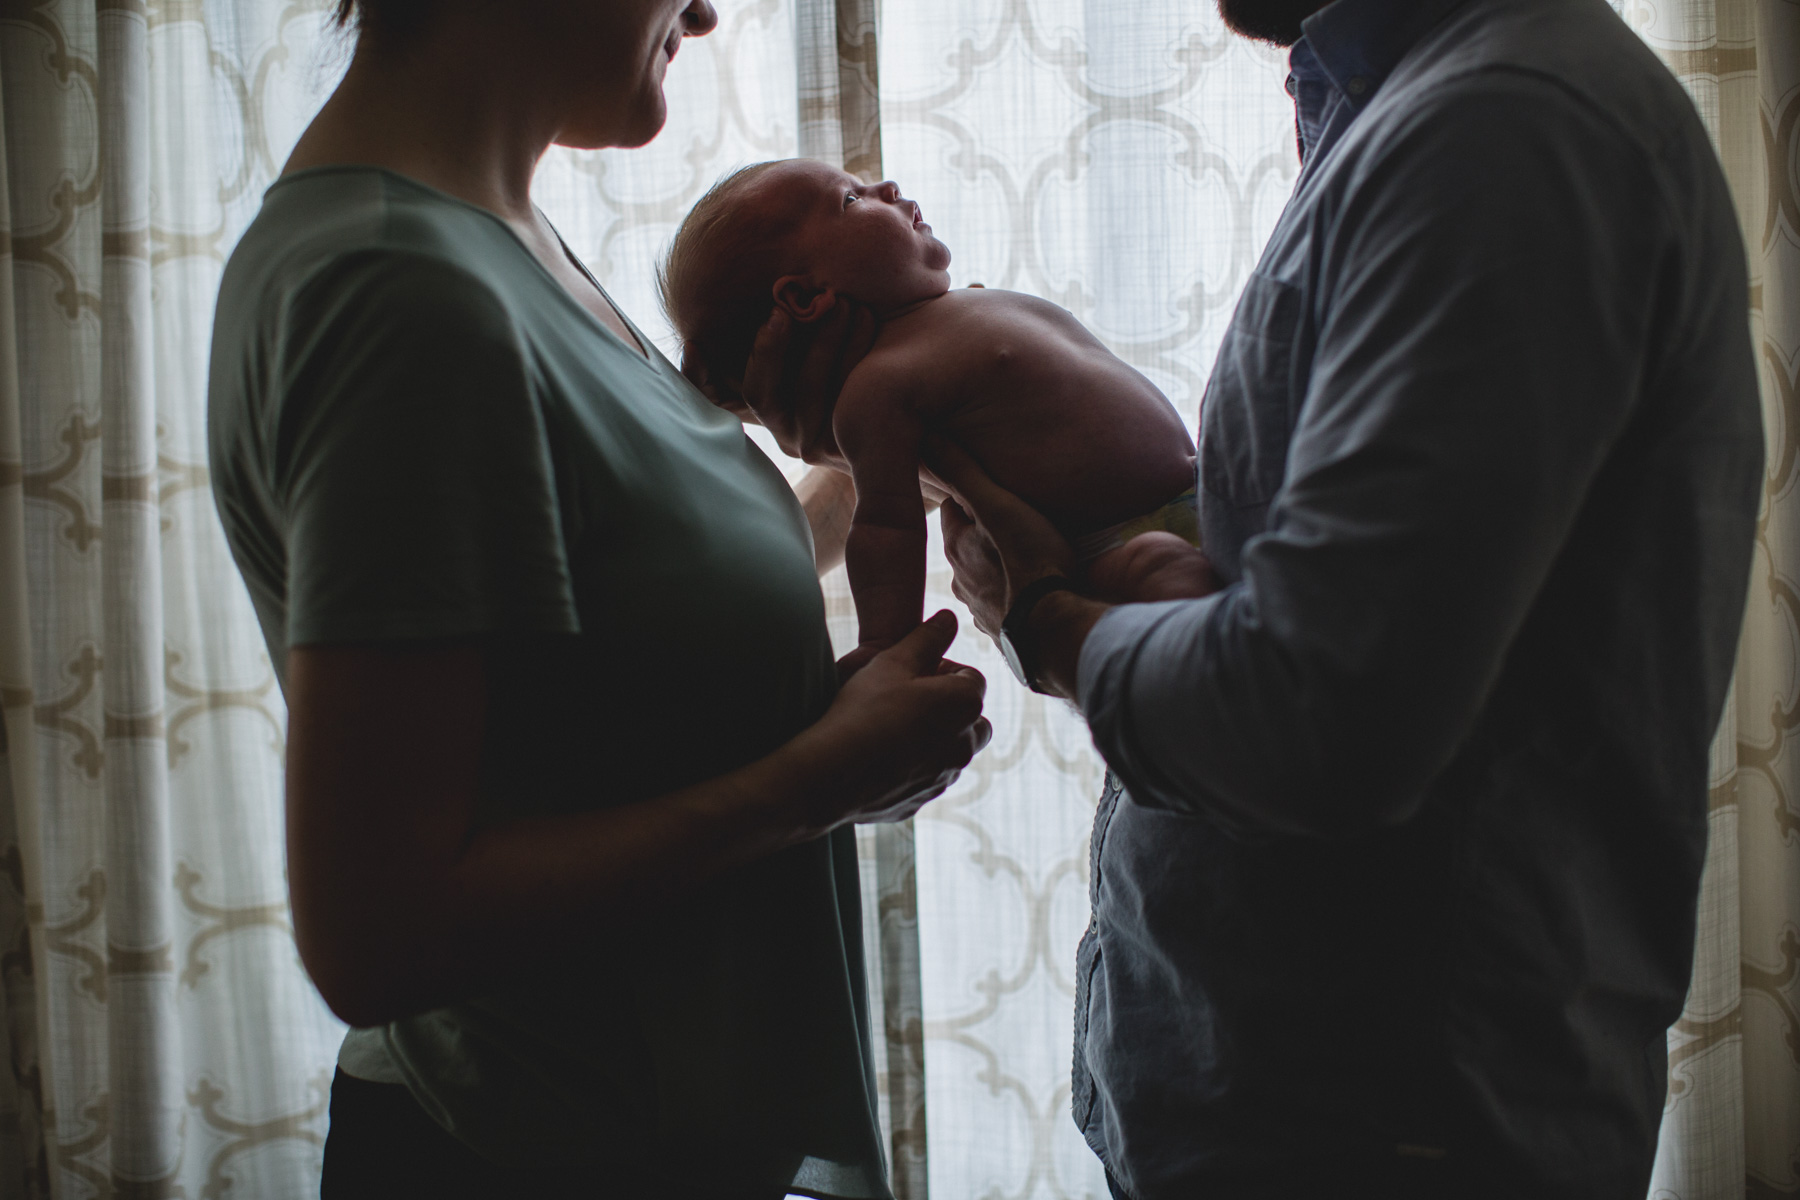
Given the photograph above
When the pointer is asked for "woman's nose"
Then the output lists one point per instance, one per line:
(699, 19)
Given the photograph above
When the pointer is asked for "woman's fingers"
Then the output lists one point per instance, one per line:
(920, 652)
(857, 344)
(762, 388)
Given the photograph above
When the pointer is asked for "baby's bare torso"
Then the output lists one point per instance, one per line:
(1031, 395)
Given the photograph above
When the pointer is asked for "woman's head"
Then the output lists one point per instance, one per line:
(798, 234)
(604, 59)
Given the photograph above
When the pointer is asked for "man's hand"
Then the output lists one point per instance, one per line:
(793, 377)
(997, 544)
(1153, 566)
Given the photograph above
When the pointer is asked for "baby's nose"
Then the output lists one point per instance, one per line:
(889, 191)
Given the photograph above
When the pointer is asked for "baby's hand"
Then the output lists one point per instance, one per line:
(1150, 567)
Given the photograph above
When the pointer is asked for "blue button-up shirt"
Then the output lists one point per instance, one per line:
(1414, 810)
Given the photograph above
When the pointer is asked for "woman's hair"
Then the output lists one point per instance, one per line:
(385, 18)
(717, 279)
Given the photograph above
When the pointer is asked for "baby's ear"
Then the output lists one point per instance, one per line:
(804, 300)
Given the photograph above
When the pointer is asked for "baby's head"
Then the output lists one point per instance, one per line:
(798, 234)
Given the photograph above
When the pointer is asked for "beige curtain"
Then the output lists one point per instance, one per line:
(1126, 161)
(161, 1039)
(1732, 1126)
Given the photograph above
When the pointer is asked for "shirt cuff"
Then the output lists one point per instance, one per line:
(1135, 678)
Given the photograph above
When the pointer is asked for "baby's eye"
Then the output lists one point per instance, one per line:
(848, 197)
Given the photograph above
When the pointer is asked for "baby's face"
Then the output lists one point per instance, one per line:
(862, 240)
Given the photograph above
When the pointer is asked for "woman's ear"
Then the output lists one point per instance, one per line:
(803, 300)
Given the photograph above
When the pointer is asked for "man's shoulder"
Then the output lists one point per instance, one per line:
(1549, 59)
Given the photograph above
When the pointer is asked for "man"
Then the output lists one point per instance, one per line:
(1394, 877)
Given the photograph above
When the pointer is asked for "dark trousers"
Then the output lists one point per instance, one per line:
(383, 1146)
(1386, 1179)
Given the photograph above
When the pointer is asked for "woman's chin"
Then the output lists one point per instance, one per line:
(637, 126)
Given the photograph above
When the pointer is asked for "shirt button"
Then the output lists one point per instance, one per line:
(1357, 86)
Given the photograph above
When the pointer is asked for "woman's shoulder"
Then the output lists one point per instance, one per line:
(369, 239)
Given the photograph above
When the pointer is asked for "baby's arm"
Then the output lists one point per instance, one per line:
(878, 429)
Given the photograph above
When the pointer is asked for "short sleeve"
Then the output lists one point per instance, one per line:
(411, 464)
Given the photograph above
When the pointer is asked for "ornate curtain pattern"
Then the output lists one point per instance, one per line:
(1127, 162)
(1732, 1124)
(160, 1037)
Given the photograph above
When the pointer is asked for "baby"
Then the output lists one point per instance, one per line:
(1016, 381)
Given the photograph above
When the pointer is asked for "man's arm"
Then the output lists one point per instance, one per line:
(879, 431)
(1492, 295)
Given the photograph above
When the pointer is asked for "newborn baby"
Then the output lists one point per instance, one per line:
(1016, 381)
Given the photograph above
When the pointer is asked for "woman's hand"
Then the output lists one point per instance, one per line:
(793, 377)
(900, 732)
(403, 900)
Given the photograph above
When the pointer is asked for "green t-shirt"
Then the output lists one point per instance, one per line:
(418, 433)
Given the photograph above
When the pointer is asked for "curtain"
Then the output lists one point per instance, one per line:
(1732, 1123)
(1124, 161)
(161, 1038)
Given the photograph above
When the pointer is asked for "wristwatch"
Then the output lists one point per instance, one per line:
(1014, 643)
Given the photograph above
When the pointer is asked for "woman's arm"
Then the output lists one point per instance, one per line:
(402, 904)
(829, 498)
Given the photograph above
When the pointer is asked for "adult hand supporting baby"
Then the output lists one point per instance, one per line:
(998, 545)
(796, 371)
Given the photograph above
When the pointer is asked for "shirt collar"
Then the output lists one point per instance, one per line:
(1358, 43)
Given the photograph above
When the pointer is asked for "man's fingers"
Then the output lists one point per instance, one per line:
(991, 505)
(955, 519)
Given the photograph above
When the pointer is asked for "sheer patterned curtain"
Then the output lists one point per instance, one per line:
(161, 1038)
(1732, 1125)
(1125, 161)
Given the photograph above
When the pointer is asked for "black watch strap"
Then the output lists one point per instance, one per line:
(1017, 647)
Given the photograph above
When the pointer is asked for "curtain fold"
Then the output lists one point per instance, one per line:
(837, 59)
(162, 1039)
(1732, 1122)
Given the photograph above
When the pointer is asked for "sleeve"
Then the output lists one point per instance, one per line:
(410, 461)
(1492, 283)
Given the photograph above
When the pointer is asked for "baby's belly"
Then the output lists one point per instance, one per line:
(1088, 448)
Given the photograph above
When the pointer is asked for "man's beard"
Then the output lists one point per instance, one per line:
(1276, 21)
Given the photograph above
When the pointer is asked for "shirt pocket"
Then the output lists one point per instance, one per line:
(1246, 416)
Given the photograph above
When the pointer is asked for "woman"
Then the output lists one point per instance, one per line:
(570, 777)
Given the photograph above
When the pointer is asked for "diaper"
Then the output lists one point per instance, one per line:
(1180, 516)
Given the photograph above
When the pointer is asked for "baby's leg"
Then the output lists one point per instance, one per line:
(1152, 566)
